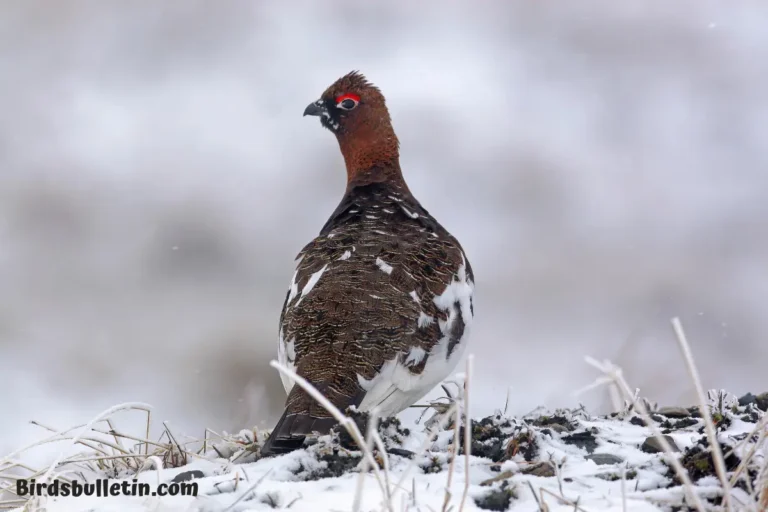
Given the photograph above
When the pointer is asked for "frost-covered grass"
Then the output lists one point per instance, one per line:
(637, 458)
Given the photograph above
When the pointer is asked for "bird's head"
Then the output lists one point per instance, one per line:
(356, 112)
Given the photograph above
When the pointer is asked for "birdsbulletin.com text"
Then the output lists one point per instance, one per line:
(103, 488)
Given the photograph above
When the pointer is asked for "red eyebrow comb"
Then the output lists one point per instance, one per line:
(349, 96)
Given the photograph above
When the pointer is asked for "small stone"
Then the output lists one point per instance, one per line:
(603, 459)
(674, 412)
(637, 420)
(543, 469)
(652, 445)
(497, 499)
(747, 399)
(402, 452)
(185, 476)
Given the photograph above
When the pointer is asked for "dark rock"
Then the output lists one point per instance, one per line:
(186, 476)
(585, 440)
(655, 417)
(674, 412)
(401, 452)
(637, 420)
(762, 401)
(604, 458)
(497, 499)
(747, 399)
(686, 422)
(652, 445)
(543, 469)
(695, 413)
(752, 417)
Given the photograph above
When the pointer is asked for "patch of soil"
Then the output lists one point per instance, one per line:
(585, 440)
(497, 499)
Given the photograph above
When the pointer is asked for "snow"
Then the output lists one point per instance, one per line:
(303, 481)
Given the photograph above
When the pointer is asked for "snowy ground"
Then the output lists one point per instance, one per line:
(561, 460)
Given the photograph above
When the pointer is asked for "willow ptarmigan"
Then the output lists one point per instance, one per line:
(379, 308)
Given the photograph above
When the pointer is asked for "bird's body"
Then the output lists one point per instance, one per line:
(380, 305)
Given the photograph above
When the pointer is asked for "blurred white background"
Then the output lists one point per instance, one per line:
(603, 163)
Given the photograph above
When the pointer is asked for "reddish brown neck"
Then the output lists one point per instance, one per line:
(371, 155)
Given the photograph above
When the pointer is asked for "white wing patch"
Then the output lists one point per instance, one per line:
(424, 320)
(415, 356)
(294, 288)
(383, 266)
(311, 282)
(345, 256)
(286, 356)
(409, 213)
(394, 388)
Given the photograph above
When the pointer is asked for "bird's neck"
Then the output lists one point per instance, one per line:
(374, 158)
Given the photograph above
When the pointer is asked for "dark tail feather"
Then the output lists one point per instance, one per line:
(290, 431)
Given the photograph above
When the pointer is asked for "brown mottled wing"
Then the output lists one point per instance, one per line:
(378, 305)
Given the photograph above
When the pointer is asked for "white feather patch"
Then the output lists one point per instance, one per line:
(394, 388)
(286, 356)
(311, 282)
(346, 255)
(409, 213)
(383, 266)
(424, 320)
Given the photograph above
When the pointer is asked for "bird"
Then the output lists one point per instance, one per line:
(381, 302)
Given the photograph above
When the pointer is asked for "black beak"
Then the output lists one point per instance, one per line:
(315, 109)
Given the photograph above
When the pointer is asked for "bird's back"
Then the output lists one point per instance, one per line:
(378, 307)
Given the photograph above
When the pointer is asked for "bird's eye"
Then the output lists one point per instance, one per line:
(347, 101)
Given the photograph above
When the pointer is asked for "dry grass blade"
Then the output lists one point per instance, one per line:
(714, 445)
(614, 374)
(372, 424)
(454, 455)
(104, 414)
(467, 430)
